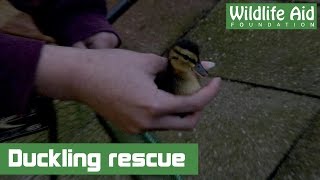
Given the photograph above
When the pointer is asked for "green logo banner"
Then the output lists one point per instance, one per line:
(271, 16)
(98, 159)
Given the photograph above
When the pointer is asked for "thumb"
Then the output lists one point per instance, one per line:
(79, 44)
(157, 63)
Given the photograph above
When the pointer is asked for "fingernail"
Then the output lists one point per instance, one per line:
(211, 65)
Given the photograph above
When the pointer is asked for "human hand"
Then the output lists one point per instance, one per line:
(99, 40)
(119, 85)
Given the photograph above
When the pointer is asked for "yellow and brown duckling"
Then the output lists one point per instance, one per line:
(184, 69)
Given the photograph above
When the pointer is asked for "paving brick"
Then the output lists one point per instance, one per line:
(246, 130)
(152, 26)
(287, 59)
(304, 160)
(77, 123)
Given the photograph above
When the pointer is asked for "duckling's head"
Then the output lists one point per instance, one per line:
(184, 58)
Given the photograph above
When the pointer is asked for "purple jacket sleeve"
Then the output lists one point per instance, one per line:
(68, 21)
(18, 61)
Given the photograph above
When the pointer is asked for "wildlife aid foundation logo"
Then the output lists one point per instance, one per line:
(271, 16)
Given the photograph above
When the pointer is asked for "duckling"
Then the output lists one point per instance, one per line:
(184, 69)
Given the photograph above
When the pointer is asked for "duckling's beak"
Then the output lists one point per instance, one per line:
(200, 70)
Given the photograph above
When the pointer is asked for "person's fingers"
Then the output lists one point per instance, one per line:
(176, 122)
(169, 104)
(208, 64)
(79, 44)
(99, 44)
(102, 40)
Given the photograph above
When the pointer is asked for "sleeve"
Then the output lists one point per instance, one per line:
(68, 21)
(18, 62)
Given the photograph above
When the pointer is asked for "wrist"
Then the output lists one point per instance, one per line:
(56, 73)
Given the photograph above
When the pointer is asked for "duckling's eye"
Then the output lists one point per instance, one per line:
(192, 61)
(185, 57)
(174, 57)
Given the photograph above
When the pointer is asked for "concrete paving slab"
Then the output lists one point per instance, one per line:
(153, 26)
(287, 59)
(246, 130)
(304, 160)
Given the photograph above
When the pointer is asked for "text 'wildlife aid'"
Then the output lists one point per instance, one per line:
(108, 159)
(271, 16)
